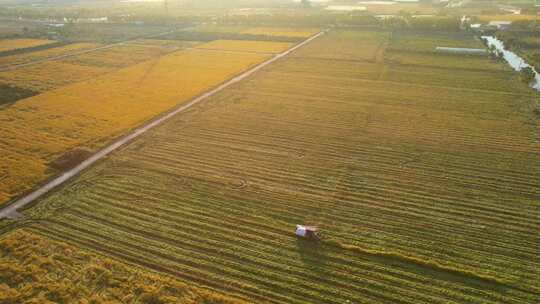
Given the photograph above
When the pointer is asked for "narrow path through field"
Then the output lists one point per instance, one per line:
(10, 211)
(75, 53)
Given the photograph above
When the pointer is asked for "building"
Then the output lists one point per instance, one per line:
(463, 51)
(500, 25)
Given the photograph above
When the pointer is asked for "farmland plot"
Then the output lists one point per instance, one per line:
(411, 41)
(425, 194)
(50, 74)
(284, 32)
(246, 46)
(418, 50)
(448, 61)
(54, 74)
(504, 81)
(348, 45)
(293, 32)
(122, 55)
(91, 112)
(43, 54)
(15, 44)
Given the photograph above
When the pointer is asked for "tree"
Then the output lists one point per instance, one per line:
(306, 2)
(527, 74)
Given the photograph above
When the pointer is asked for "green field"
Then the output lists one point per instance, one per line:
(421, 169)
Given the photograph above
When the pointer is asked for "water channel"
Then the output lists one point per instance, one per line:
(516, 62)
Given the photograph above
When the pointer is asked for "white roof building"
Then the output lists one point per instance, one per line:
(464, 51)
(500, 24)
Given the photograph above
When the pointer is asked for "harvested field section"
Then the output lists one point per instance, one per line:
(425, 194)
(246, 46)
(427, 42)
(417, 49)
(449, 61)
(91, 112)
(507, 81)
(353, 70)
(348, 45)
(421, 76)
(15, 44)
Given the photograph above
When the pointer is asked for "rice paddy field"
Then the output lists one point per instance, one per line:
(88, 113)
(349, 45)
(293, 32)
(15, 44)
(43, 54)
(285, 32)
(427, 190)
(49, 75)
(246, 46)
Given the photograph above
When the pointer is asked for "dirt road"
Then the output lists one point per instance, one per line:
(11, 210)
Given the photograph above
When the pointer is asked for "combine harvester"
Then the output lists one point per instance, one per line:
(308, 232)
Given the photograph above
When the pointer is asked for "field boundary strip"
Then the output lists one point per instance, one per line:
(10, 211)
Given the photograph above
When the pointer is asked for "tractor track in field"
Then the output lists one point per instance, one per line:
(11, 209)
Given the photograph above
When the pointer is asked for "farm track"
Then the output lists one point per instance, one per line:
(437, 208)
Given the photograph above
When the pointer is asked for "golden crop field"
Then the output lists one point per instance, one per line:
(246, 46)
(294, 32)
(34, 269)
(53, 74)
(39, 129)
(169, 44)
(14, 44)
(120, 56)
(425, 192)
(52, 52)
(284, 32)
(50, 74)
